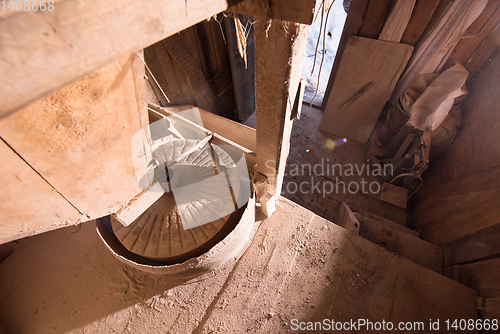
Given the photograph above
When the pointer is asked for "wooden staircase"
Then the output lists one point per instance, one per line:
(395, 237)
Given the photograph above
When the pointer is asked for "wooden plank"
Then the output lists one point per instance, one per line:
(169, 84)
(420, 18)
(236, 132)
(347, 219)
(365, 80)
(370, 217)
(375, 16)
(27, 201)
(476, 246)
(397, 21)
(352, 23)
(67, 43)
(156, 78)
(421, 294)
(394, 195)
(80, 138)
(403, 244)
(205, 96)
(482, 276)
(486, 179)
(474, 36)
(243, 73)
(279, 51)
(444, 220)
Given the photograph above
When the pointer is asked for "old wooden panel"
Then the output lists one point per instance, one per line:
(473, 247)
(77, 38)
(352, 24)
(366, 77)
(79, 138)
(27, 202)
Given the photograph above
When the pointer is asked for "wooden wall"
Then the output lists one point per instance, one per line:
(194, 67)
(459, 207)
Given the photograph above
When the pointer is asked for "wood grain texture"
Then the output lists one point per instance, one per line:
(27, 201)
(420, 18)
(463, 198)
(403, 244)
(279, 51)
(375, 16)
(298, 11)
(352, 24)
(79, 37)
(352, 111)
(347, 219)
(79, 138)
(476, 246)
(480, 32)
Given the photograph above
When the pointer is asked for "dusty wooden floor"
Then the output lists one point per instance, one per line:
(299, 266)
(308, 147)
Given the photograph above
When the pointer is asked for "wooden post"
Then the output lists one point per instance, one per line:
(279, 49)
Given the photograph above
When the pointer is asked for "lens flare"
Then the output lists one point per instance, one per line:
(330, 144)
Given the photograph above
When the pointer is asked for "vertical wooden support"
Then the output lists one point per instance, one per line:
(279, 49)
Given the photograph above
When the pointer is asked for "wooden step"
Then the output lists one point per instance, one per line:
(368, 216)
(401, 241)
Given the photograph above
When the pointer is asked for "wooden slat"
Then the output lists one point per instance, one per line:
(352, 24)
(236, 132)
(243, 74)
(476, 246)
(420, 18)
(449, 218)
(79, 139)
(408, 246)
(375, 16)
(370, 217)
(205, 96)
(484, 24)
(157, 78)
(77, 38)
(169, 84)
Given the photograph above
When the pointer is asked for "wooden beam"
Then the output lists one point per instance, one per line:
(347, 219)
(41, 52)
(279, 50)
(80, 138)
(477, 246)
